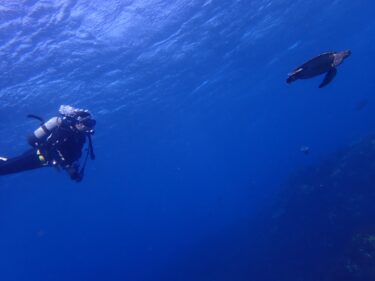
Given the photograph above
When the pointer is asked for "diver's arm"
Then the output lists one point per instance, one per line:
(74, 172)
(70, 160)
(73, 169)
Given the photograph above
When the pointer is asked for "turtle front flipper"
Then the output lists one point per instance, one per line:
(329, 77)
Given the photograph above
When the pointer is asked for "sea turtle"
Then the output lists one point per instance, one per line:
(324, 63)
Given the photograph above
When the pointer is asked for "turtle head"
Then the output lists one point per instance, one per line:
(338, 58)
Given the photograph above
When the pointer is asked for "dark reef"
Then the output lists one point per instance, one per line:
(327, 212)
(321, 227)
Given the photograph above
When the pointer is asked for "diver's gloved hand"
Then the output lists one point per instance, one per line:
(74, 173)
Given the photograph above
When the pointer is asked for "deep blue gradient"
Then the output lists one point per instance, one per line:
(197, 129)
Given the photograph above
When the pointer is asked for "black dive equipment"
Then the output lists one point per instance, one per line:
(69, 117)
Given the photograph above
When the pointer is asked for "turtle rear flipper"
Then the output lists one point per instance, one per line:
(291, 79)
(329, 77)
(293, 76)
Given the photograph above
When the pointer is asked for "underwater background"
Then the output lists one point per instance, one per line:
(199, 172)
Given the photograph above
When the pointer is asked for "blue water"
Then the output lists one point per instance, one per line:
(197, 130)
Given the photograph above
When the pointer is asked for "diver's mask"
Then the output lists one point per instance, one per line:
(86, 124)
(81, 119)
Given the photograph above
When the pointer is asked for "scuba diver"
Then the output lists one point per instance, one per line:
(57, 143)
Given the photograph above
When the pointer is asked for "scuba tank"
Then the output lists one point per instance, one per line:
(40, 134)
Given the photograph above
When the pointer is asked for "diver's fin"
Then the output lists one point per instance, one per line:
(329, 77)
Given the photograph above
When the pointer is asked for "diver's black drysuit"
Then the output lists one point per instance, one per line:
(62, 149)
